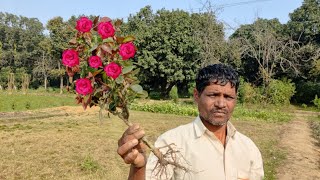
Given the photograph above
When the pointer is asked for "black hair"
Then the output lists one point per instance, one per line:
(216, 74)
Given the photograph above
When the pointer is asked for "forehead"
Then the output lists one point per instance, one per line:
(214, 87)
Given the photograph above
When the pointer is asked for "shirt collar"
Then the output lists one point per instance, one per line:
(200, 129)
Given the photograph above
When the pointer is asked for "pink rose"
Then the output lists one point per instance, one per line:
(113, 70)
(84, 24)
(83, 86)
(127, 50)
(106, 29)
(70, 58)
(95, 61)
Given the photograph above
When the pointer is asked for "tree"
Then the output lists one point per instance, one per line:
(60, 33)
(167, 52)
(304, 23)
(265, 50)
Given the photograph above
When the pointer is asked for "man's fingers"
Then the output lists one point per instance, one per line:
(126, 147)
(132, 129)
(130, 157)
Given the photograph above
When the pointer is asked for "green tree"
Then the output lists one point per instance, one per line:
(60, 32)
(168, 53)
(304, 23)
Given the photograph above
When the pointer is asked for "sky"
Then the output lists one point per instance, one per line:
(232, 13)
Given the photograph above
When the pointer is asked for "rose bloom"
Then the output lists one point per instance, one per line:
(127, 50)
(70, 58)
(83, 86)
(95, 61)
(84, 24)
(106, 29)
(113, 70)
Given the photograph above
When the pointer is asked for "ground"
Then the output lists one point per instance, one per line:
(69, 143)
(303, 155)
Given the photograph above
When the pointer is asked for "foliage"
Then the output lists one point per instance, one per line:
(240, 112)
(316, 101)
(304, 22)
(279, 92)
(264, 48)
(247, 94)
(306, 91)
(174, 94)
(19, 37)
(168, 51)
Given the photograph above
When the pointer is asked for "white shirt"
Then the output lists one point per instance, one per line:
(205, 156)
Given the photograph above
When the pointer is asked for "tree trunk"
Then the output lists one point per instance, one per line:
(45, 82)
(61, 79)
(166, 89)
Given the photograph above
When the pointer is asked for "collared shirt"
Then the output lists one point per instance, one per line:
(205, 156)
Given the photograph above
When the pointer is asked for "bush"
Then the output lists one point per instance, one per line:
(280, 92)
(155, 95)
(249, 94)
(316, 101)
(173, 94)
(306, 91)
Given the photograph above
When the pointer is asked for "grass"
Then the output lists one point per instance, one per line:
(74, 145)
(315, 126)
(31, 101)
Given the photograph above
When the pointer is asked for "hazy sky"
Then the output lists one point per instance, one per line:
(231, 12)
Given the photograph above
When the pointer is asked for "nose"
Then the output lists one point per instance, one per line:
(220, 102)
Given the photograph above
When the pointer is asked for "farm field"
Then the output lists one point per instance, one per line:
(67, 142)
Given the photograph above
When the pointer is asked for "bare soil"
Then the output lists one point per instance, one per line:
(303, 155)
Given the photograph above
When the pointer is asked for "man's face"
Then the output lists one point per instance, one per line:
(216, 103)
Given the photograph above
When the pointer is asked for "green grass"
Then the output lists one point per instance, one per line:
(269, 114)
(31, 101)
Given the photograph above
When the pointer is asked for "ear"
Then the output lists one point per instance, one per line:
(196, 95)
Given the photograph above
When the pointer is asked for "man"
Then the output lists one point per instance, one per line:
(210, 145)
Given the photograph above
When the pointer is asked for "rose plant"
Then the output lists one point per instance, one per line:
(101, 56)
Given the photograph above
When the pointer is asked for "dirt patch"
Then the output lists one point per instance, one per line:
(303, 156)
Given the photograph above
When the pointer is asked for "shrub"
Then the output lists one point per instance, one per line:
(249, 94)
(155, 95)
(306, 91)
(316, 101)
(173, 94)
(280, 92)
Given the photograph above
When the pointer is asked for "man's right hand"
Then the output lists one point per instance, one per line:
(129, 148)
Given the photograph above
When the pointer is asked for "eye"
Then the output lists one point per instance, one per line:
(229, 97)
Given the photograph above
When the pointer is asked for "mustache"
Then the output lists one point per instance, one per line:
(218, 111)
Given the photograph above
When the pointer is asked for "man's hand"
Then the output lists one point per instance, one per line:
(130, 149)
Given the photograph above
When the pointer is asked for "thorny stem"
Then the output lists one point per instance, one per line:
(163, 162)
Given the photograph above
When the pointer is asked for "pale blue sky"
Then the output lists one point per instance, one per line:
(231, 12)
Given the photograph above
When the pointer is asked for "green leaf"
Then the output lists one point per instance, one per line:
(104, 77)
(136, 71)
(108, 40)
(93, 48)
(127, 69)
(136, 88)
(128, 39)
(119, 79)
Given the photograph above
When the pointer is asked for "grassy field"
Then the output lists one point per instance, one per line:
(34, 100)
(69, 143)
